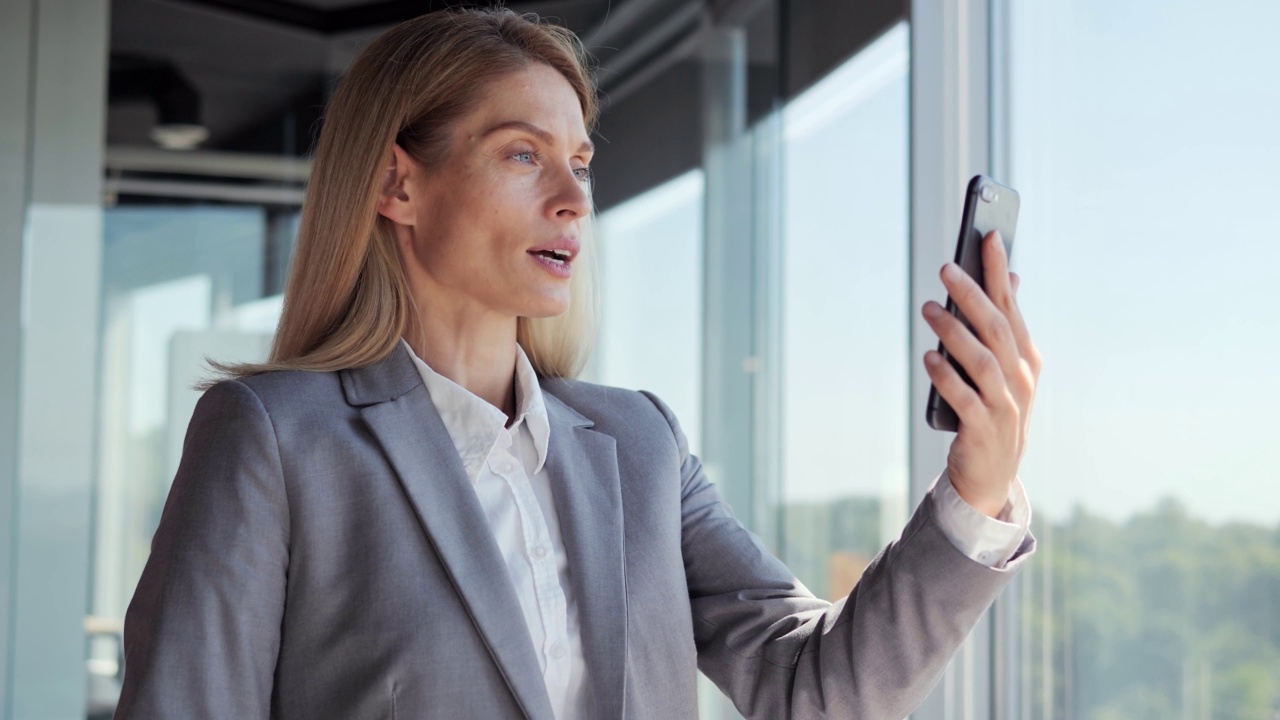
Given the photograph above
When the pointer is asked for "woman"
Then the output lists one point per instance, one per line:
(413, 510)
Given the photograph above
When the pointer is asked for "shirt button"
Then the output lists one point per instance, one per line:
(539, 552)
(506, 468)
(557, 651)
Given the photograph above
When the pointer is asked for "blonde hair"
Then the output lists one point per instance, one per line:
(347, 302)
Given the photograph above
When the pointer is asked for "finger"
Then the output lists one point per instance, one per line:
(1002, 289)
(988, 321)
(1021, 335)
(962, 398)
(977, 359)
(1018, 324)
(995, 264)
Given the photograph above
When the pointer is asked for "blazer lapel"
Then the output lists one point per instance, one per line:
(399, 411)
(582, 465)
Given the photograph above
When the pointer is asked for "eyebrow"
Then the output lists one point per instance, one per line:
(546, 137)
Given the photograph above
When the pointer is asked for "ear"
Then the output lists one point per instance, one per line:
(394, 201)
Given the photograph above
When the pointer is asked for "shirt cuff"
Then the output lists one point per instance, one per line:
(987, 540)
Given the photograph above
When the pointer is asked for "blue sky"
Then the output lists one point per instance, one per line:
(1146, 143)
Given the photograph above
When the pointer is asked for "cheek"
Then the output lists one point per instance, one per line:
(481, 222)
(446, 228)
(510, 195)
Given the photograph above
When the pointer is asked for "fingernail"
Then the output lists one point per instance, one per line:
(932, 310)
(951, 271)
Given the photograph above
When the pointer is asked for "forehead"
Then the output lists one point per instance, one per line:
(537, 94)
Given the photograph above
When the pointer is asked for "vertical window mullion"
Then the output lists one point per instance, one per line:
(950, 134)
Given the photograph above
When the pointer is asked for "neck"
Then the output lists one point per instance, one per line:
(473, 349)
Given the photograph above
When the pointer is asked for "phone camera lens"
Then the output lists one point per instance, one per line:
(987, 193)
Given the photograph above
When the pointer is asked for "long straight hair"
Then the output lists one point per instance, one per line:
(347, 302)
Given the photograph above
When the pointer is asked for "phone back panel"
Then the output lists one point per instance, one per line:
(998, 211)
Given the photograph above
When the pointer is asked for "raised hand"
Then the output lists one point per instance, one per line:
(1003, 363)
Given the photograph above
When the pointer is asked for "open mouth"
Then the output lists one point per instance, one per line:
(560, 257)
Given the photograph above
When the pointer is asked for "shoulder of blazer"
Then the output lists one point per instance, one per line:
(382, 381)
(286, 393)
(608, 407)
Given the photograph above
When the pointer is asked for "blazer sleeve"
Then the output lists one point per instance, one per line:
(780, 653)
(202, 632)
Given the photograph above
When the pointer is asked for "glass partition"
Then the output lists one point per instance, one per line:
(181, 284)
(845, 328)
(651, 276)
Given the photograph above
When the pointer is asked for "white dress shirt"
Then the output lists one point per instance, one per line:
(506, 467)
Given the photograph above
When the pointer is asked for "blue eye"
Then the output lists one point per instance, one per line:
(583, 174)
(526, 154)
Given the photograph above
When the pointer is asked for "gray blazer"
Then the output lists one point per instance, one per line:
(322, 554)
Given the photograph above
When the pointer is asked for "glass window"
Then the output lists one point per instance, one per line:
(1144, 141)
(845, 318)
(651, 277)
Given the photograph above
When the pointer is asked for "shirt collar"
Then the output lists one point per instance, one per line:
(474, 425)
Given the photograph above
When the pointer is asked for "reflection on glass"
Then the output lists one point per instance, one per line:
(180, 284)
(651, 278)
(1144, 141)
(845, 317)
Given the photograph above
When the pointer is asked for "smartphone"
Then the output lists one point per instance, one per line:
(988, 206)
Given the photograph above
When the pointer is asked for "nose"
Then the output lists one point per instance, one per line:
(572, 199)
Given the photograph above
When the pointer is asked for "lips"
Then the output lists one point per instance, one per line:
(563, 250)
(560, 256)
(557, 257)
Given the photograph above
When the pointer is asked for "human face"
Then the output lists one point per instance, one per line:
(498, 226)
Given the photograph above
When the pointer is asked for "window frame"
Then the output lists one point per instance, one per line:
(954, 125)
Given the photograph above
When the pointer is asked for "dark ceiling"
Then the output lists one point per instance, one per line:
(338, 16)
(259, 70)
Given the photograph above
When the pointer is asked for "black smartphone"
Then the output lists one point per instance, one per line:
(988, 206)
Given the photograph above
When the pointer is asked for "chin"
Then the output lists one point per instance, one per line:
(547, 312)
(546, 307)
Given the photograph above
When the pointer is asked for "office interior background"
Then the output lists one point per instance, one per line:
(778, 183)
